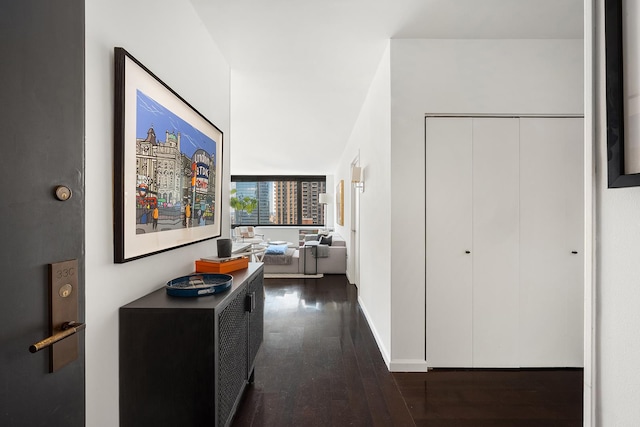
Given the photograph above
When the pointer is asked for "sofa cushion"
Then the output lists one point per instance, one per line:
(326, 240)
(337, 240)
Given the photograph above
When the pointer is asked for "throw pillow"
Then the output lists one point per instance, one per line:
(326, 240)
(276, 250)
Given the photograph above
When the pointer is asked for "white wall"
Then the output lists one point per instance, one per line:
(370, 140)
(169, 39)
(617, 340)
(457, 76)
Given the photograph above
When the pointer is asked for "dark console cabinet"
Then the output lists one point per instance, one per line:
(187, 361)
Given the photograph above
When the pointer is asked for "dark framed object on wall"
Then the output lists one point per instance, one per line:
(167, 166)
(615, 96)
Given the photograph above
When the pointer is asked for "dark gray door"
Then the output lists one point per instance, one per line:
(42, 134)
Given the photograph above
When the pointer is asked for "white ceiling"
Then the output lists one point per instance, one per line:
(300, 69)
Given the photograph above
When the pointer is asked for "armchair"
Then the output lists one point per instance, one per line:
(247, 234)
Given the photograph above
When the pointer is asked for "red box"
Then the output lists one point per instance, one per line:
(206, 266)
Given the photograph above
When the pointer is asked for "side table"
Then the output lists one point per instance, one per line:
(310, 246)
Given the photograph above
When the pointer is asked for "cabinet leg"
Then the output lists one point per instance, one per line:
(252, 376)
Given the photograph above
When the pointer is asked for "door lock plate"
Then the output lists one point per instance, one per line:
(63, 297)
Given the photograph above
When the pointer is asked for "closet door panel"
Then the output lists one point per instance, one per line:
(448, 228)
(551, 229)
(495, 242)
(574, 190)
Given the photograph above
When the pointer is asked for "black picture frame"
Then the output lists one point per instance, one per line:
(167, 166)
(615, 98)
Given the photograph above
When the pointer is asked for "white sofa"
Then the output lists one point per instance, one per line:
(331, 259)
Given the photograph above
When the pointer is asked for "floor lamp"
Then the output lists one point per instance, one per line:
(324, 200)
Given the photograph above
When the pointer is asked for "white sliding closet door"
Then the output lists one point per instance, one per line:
(551, 230)
(495, 242)
(448, 226)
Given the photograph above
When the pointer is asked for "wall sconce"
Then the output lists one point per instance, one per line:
(357, 178)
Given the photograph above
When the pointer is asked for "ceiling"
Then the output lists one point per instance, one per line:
(300, 69)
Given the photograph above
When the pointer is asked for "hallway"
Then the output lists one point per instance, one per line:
(320, 366)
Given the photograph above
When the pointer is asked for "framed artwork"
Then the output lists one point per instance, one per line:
(167, 166)
(623, 96)
(340, 203)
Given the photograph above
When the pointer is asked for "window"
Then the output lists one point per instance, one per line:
(281, 200)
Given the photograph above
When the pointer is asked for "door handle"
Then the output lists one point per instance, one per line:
(250, 302)
(66, 330)
(574, 252)
(467, 252)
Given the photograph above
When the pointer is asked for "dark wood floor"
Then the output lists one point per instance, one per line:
(496, 398)
(319, 366)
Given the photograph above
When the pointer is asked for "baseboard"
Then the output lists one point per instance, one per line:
(408, 365)
(351, 282)
(398, 365)
(292, 276)
(376, 336)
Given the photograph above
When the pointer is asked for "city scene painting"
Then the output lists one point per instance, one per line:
(167, 166)
(175, 171)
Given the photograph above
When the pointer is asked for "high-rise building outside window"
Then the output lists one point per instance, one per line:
(282, 200)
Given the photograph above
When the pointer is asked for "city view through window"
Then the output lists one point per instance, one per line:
(282, 201)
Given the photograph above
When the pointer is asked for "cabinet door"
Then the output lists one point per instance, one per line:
(495, 242)
(551, 224)
(232, 356)
(448, 238)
